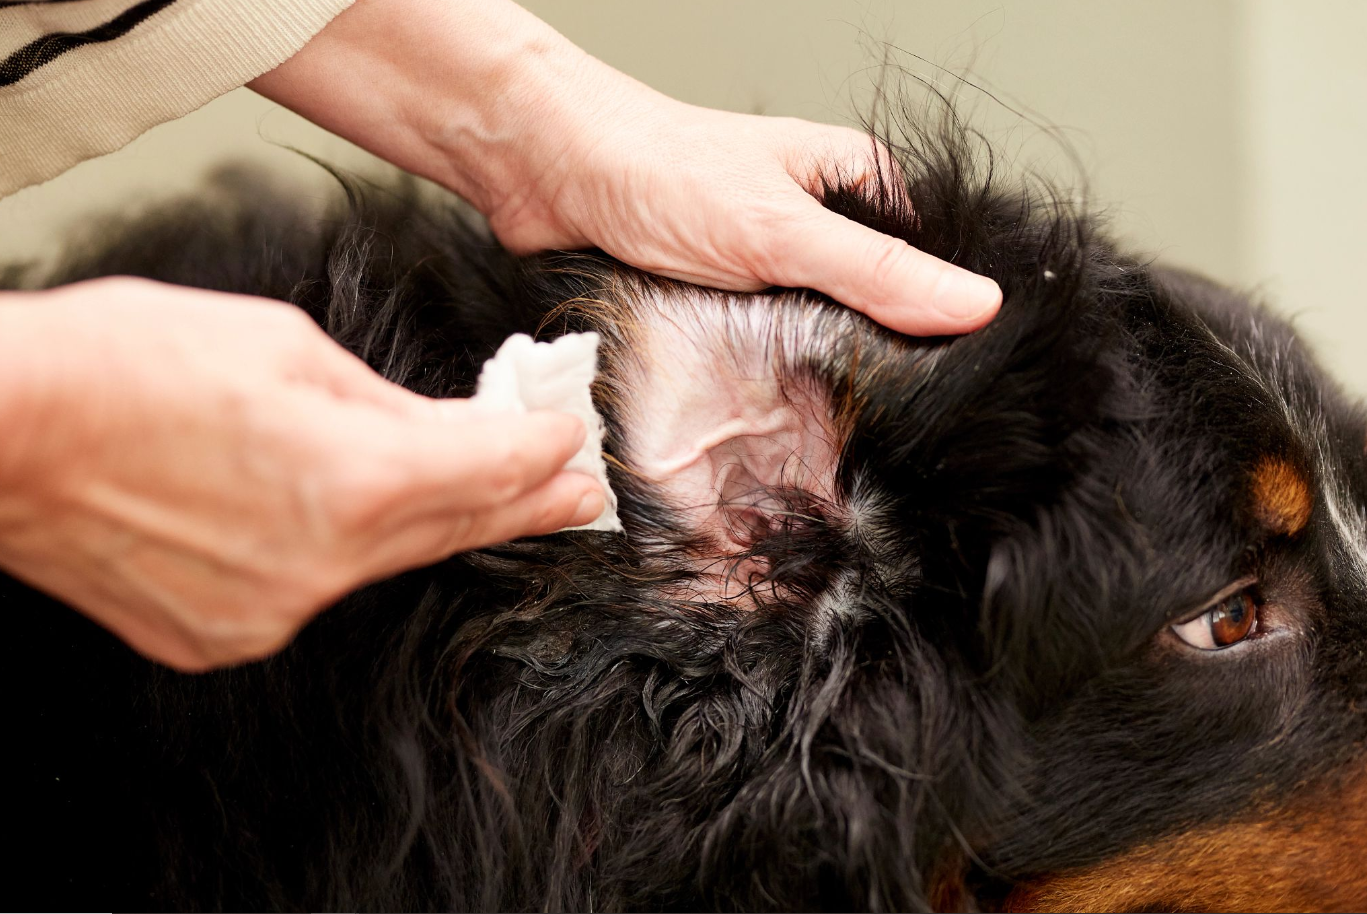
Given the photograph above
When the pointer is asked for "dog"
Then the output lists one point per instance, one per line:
(1066, 614)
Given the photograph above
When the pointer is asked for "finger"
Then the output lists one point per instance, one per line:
(348, 377)
(457, 459)
(900, 287)
(841, 157)
(565, 500)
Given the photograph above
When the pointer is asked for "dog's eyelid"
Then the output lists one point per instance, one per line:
(1221, 596)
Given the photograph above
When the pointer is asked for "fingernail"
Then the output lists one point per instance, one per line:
(966, 296)
(590, 506)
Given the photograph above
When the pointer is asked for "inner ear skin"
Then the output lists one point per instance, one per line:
(722, 405)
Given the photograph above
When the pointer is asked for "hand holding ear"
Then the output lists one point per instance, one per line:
(729, 201)
(561, 151)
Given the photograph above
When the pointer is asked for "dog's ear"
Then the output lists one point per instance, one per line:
(976, 436)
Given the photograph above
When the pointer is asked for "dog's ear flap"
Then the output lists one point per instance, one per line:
(982, 435)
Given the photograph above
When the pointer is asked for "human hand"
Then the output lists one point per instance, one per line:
(561, 151)
(201, 473)
(729, 201)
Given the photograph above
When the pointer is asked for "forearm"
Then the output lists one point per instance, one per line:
(460, 91)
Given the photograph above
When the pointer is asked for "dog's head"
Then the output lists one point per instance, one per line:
(1068, 613)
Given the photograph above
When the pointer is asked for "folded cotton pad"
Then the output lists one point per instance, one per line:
(525, 375)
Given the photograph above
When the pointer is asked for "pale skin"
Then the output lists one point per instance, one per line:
(202, 473)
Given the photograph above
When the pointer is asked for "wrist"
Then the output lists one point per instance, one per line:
(491, 120)
(546, 122)
(477, 95)
(502, 102)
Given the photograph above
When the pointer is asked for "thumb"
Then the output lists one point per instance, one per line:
(889, 280)
(567, 499)
(469, 461)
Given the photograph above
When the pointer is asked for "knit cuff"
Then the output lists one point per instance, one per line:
(97, 97)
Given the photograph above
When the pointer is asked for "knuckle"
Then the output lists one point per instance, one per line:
(507, 477)
(120, 287)
(553, 515)
(857, 142)
(238, 637)
(258, 646)
(886, 262)
(294, 320)
(358, 497)
(769, 217)
(769, 231)
(317, 585)
(186, 661)
(464, 533)
(287, 322)
(944, 285)
(112, 283)
(254, 622)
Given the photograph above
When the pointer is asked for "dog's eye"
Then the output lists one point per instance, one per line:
(1227, 623)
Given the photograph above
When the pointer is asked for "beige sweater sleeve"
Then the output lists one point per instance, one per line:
(80, 79)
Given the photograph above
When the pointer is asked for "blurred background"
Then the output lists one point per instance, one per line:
(1222, 135)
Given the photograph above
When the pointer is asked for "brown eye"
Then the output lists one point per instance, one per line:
(1227, 623)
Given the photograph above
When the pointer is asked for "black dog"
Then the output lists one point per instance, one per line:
(1068, 613)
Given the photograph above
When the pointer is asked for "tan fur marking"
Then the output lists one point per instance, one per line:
(1281, 497)
(1308, 857)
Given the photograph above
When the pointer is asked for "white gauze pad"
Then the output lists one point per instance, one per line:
(525, 375)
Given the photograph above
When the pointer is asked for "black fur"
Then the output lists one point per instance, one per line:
(535, 727)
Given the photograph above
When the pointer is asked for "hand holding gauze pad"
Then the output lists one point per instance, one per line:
(525, 375)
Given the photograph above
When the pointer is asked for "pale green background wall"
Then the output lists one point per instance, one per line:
(1222, 135)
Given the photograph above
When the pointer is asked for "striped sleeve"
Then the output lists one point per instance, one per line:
(80, 78)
